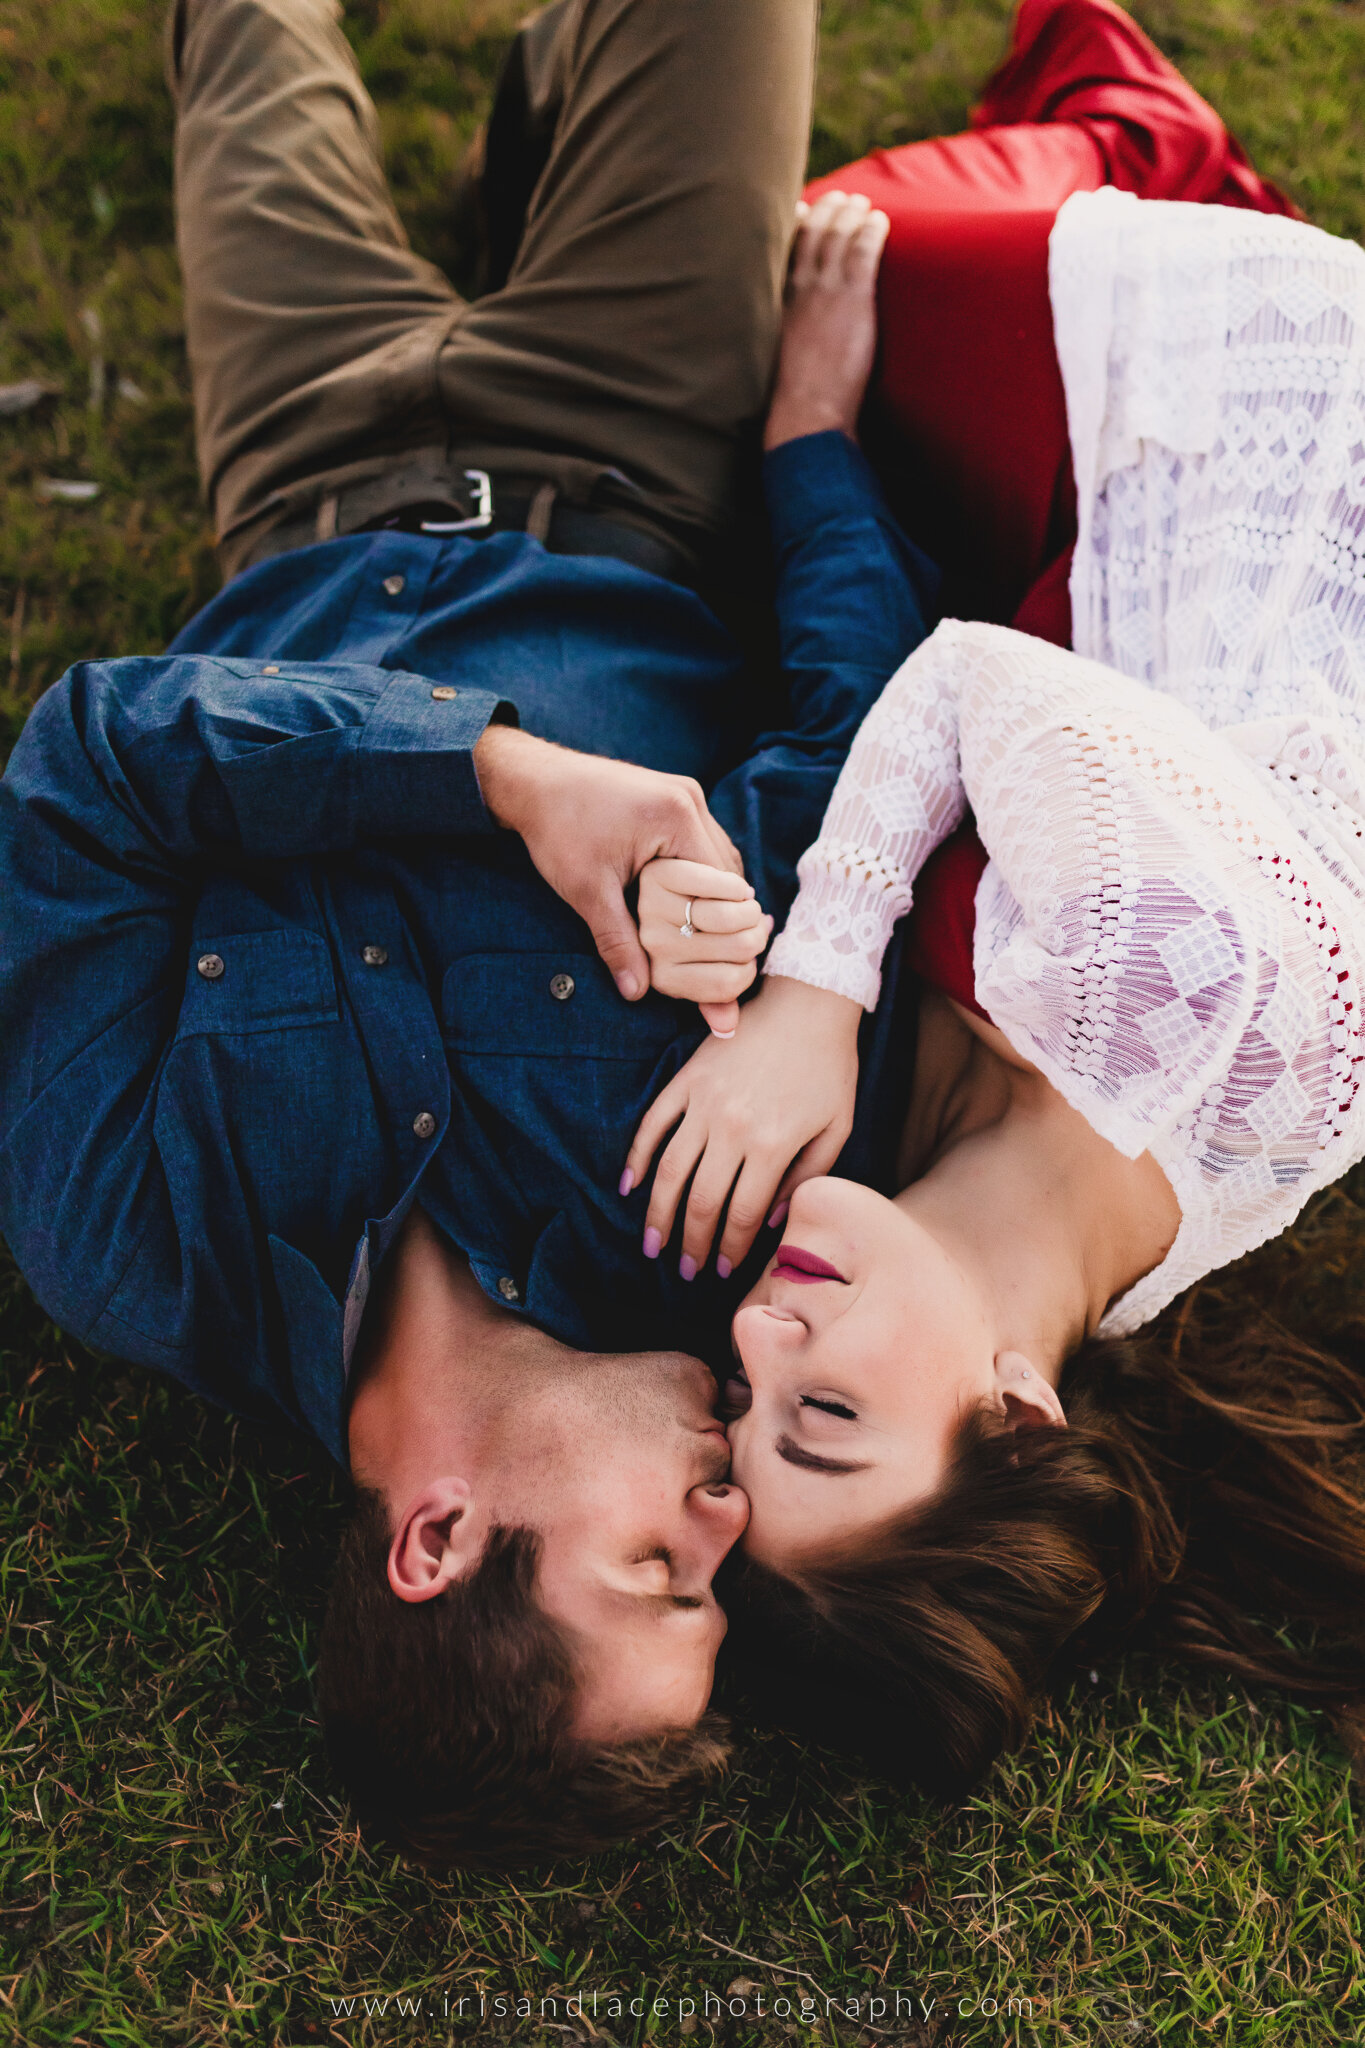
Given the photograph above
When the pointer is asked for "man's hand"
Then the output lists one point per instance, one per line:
(829, 327)
(590, 825)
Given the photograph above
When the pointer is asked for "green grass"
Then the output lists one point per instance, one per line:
(1169, 1862)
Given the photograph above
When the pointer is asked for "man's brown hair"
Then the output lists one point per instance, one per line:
(448, 1720)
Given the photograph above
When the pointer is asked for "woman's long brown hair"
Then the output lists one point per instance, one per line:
(1207, 1498)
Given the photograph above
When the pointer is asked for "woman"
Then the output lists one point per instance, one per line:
(1140, 1048)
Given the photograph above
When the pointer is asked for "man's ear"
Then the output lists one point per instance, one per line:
(440, 1537)
(1024, 1395)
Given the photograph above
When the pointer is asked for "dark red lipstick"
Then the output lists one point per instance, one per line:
(802, 1267)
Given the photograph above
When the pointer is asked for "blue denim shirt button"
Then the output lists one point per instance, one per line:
(210, 965)
(561, 987)
(424, 1124)
(375, 956)
(394, 585)
(508, 1288)
(444, 694)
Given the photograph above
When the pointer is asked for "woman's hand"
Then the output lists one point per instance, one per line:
(755, 1117)
(829, 327)
(713, 962)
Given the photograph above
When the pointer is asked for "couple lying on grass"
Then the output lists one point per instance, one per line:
(342, 1080)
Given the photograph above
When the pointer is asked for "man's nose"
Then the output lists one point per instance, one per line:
(719, 1514)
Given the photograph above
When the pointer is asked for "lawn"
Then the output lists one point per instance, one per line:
(1170, 1861)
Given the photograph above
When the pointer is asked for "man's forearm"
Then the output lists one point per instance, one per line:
(854, 598)
(508, 763)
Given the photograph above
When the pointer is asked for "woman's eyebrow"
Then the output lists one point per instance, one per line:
(808, 1461)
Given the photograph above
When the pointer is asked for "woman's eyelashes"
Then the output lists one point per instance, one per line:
(839, 1408)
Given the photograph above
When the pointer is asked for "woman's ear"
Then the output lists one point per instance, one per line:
(440, 1537)
(1024, 1395)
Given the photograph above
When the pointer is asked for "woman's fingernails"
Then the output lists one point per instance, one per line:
(723, 1267)
(722, 1034)
(628, 985)
(627, 1182)
(654, 1244)
(779, 1216)
(687, 1266)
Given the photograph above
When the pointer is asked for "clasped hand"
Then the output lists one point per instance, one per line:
(591, 825)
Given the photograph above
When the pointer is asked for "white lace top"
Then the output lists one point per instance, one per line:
(1171, 926)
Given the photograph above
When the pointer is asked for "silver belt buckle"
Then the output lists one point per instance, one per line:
(483, 507)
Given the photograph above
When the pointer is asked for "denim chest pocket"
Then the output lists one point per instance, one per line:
(549, 1005)
(257, 981)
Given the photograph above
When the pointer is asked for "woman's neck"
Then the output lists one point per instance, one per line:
(1054, 1222)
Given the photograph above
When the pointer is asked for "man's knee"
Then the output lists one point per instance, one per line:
(183, 17)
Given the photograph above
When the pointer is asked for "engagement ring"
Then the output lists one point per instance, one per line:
(687, 928)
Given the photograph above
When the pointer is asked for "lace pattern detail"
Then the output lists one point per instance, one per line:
(1172, 921)
(1215, 386)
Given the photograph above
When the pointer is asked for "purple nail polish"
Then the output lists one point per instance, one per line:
(779, 1216)
(627, 1182)
(687, 1267)
(723, 1267)
(654, 1244)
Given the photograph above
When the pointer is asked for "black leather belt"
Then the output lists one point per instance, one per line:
(382, 505)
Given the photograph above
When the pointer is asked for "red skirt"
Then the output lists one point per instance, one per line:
(966, 421)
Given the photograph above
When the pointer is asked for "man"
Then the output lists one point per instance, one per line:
(314, 1094)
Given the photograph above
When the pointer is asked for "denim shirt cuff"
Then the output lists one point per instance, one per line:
(415, 762)
(814, 481)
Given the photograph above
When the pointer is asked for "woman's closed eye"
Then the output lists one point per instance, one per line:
(829, 1407)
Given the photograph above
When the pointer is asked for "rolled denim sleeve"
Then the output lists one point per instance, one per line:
(854, 598)
(198, 756)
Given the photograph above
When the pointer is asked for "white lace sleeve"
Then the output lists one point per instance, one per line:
(899, 795)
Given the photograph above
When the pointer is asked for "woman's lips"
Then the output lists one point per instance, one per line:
(802, 1267)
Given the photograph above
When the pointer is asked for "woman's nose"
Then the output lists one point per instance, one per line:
(763, 1337)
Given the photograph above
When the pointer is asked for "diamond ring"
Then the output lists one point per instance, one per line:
(687, 928)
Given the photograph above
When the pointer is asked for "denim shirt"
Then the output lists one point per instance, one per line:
(268, 971)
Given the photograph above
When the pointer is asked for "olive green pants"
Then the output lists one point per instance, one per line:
(632, 345)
